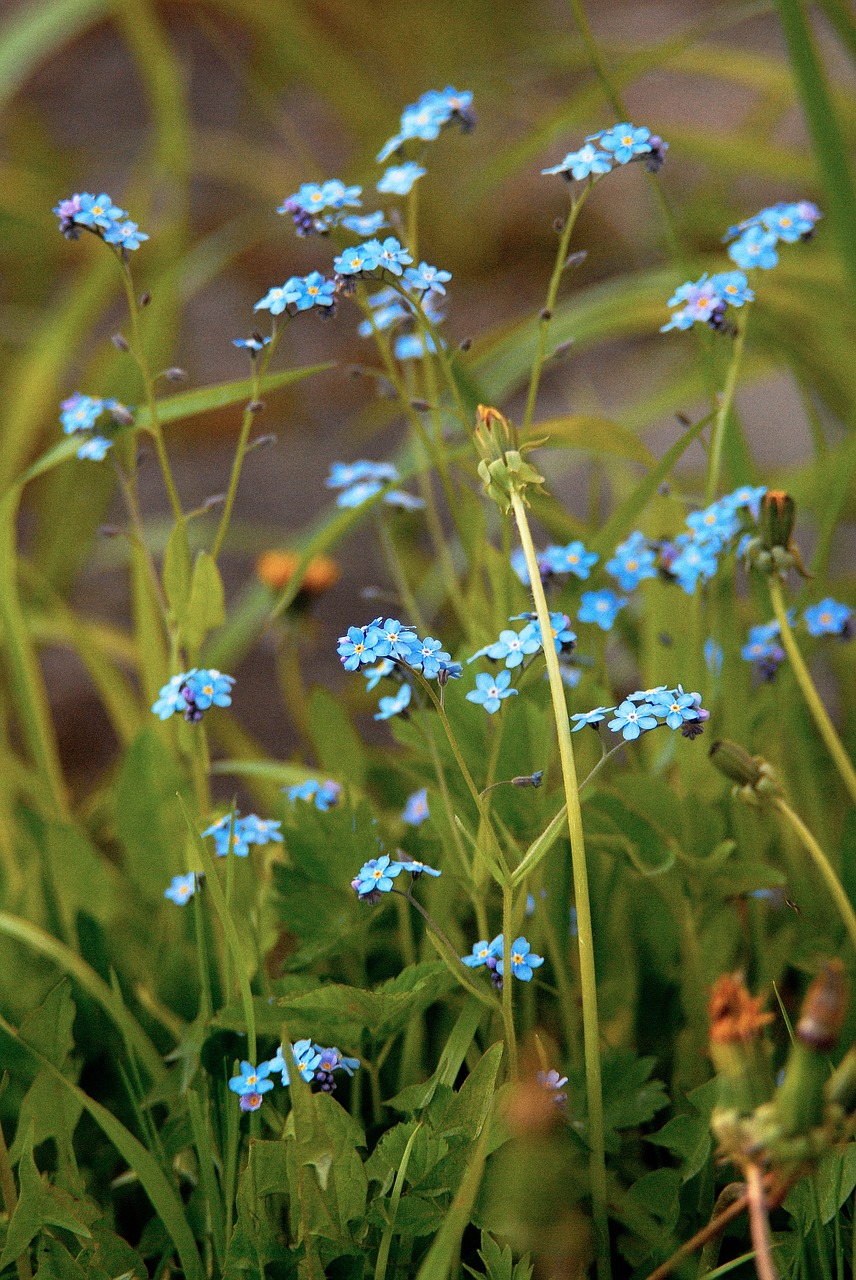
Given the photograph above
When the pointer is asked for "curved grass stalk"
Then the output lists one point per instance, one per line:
(726, 400)
(812, 699)
(588, 978)
(820, 860)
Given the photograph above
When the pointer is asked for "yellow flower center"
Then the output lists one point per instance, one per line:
(627, 140)
(573, 559)
(312, 290)
(517, 958)
(252, 1079)
(632, 565)
(826, 618)
(208, 688)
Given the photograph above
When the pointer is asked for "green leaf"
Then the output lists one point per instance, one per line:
(337, 744)
(32, 34)
(162, 1194)
(834, 1181)
(470, 1108)
(46, 1110)
(594, 435)
(177, 571)
(41, 1205)
(148, 821)
(206, 608)
(687, 1137)
(659, 1193)
(189, 404)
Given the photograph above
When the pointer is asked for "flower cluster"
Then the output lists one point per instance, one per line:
(695, 554)
(360, 481)
(612, 147)
(706, 300)
(513, 646)
(309, 206)
(489, 954)
(424, 119)
(754, 241)
(299, 293)
(314, 1063)
(232, 831)
(391, 640)
(193, 692)
(761, 647)
(324, 794)
(649, 709)
(826, 618)
(373, 255)
(80, 413)
(376, 876)
(98, 214)
(556, 560)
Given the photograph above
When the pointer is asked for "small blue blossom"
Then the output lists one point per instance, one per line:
(491, 690)
(415, 867)
(324, 794)
(416, 808)
(393, 706)
(484, 953)
(399, 179)
(358, 260)
(125, 234)
(95, 448)
(713, 656)
(828, 618)
(313, 291)
(98, 211)
(585, 163)
(209, 688)
(401, 641)
(747, 496)
(404, 501)
(171, 698)
(523, 960)
(755, 248)
(675, 707)
(221, 832)
(790, 222)
(254, 344)
(362, 645)
(365, 224)
(701, 303)
(376, 876)
(343, 474)
(601, 607)
(375, 674)
(413, 346)
(358, 493)
(648, 695)
(570, 559)
(278, 1063)
(428, 656)
(181, 888)
(277, 299)
(390, 254)
(80, 413)
(252, 1079)
(427, 277)
(633, 561)
(590, 717)
(732, 287)
(513, 646)
(694, 561)
(624, 142)
(560, 627)
(632, 720)
(717, 523)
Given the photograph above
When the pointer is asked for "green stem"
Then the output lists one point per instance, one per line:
(154, 427)
(823, 865)
(588, 980)
(457, 967)
(818, 710)
(726, 400)
(552, 294)
(507, 975)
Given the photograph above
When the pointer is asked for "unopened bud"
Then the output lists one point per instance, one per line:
(756, 781)
(122, 414)
(262, 442)
(175, 375)
(778, 513)
(145, 298)
(575, 260)
(823, 1010)
(529, 779)
(465, 344)
(546, 314)
(120, 343)
(255, 406)
(563, 349)
(421, 406)
(558, 225)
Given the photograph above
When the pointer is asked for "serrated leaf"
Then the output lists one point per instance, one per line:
(687, 1137)
(41, 1205)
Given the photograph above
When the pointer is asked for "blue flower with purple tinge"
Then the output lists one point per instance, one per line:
(706, 300)
(416, 809)
(829, 618)
(100, 215)
(251, 830)
(633, 561)
(394, 705)
(376, 876)
(675, 707)
(193, 692)
(601, 607)
(588, 162)
(362, 645)
(484, 953)
(424, 119)
(490, 690)
(251, 1084)
(692, 560)
(181, 888)
(324, 794)
(757, 237)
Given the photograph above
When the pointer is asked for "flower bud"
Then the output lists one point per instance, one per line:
(800, 1101)
(776, 521)
(737, 1047)
(756, 780)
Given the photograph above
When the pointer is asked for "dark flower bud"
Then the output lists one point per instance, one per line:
(120, 343)
(546, 314)
(558, 225)
(465, 344)
(122, 415)
(255, 406)
(421, 406)
(145, 298)
(656, 157)
(778, 514)
(562, 349)
(109, 531)
(529, 779)
(175, 374)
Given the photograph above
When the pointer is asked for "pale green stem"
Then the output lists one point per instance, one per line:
(154, 428)
(507, 978)
(402, 586)
(552, 294)
(812, 699)
(820, 860)
(726, 400)
(588, 979)
(247, 419)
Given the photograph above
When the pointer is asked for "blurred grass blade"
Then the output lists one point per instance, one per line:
(29, 37)
(825, 132)
(162, 1194)
(841, 19)
(188, 404)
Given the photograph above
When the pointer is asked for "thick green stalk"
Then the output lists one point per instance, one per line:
(726, 399)
(812, 699)
(588, 979)
(552, 294)
(820, 860)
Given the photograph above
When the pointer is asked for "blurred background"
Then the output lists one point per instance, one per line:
(201, 118)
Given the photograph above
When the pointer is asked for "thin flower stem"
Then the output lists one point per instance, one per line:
(507, 1004)
(714, 1228)
(402, 586)
(759, 1224)
(588, 979)
(823, 865)
(457, 966)
(726, 400)
(809, 693)
(552, 293)
(154, 428)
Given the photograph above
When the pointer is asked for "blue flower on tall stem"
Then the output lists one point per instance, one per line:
(181, 888)
(601, 607)
(490, 690)
(631, 720)
(523, 960)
